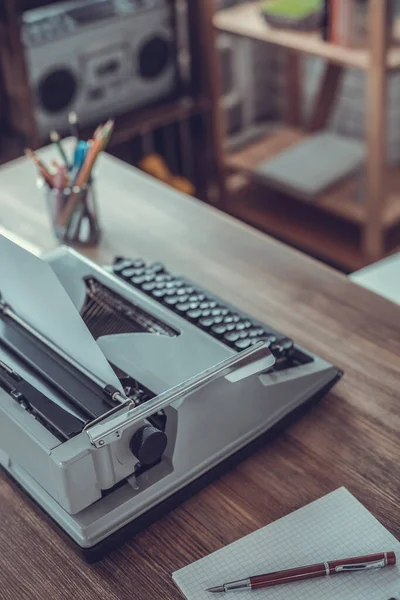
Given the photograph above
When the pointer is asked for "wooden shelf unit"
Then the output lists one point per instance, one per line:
(374, 216)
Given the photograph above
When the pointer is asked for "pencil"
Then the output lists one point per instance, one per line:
(41, 166)
(106, 132)
(55, 138)
(82, 179)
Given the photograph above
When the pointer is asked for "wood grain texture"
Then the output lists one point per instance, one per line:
(350, 438)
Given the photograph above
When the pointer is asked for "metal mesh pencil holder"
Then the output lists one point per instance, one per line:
(74, 214)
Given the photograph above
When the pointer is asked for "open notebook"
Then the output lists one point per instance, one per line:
(333, 527)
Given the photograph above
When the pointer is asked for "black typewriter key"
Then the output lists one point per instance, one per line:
(128, 273)
(139, 272)
(228, 319)
(156, 268)
(149, 286)
(170, 291)
(160, 278)
(259, 332)
(121, 265)
(156, 293)
(288, 345)
(206, 322)
(160, 285)
(224, 312)
(171, 300)
(243, 335)
(219, 329)
(182, 299)
(149, 277)
(276, 349)
(194, 298)
(179, 283)
(248, 324)
(230, 326)
(242, 344)
(231, 337)
(282, 347)
(170, 284)
(182, 306)
(271, 338)
(193, 305)
(205, 313)
(253, 333)
(240, 326)
(201, 297)
(138, 263)
(213, 304)
(182, 292)
(204, 305)
(194, 314)
(137, 280)
(216, 312)
(217, 320)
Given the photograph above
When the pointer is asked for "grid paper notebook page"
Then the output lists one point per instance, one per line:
(333, 527)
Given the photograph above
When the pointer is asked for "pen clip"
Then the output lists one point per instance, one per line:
(361, 566)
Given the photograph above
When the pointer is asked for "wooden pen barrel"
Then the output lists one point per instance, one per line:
(320, 570)
(288, 576)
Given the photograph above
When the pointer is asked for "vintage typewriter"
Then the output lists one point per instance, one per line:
(124, 389)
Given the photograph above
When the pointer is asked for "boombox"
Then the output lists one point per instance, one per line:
(98, 58)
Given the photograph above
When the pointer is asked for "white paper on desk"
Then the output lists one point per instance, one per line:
(33, 291)
(334, 527)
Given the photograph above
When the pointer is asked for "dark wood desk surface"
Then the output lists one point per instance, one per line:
(350, 439)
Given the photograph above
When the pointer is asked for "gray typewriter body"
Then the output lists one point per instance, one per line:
(208, 400)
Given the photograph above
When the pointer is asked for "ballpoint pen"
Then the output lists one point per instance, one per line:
(360, 563)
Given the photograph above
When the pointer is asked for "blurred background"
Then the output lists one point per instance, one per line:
(284, 113)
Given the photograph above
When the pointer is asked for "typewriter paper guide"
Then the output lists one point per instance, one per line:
(34, 293)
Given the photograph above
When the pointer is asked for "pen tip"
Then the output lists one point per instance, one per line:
(215, 590)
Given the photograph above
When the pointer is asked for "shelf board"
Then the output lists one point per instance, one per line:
(246, 20)
(343, 199)
(142, 121)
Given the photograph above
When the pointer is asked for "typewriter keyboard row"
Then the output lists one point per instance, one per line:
(210, 314)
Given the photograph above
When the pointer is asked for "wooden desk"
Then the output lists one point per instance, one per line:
(350, 438)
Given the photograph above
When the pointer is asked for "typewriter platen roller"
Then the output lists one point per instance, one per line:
(105, 453)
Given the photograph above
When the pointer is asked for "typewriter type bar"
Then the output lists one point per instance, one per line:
(59, 421)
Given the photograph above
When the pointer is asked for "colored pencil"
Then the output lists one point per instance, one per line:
(82, 179)
(55, 138)
(41, 166)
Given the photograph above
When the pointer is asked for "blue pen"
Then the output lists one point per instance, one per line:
(79, 157)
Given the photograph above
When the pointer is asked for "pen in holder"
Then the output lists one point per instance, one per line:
(74, 214)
